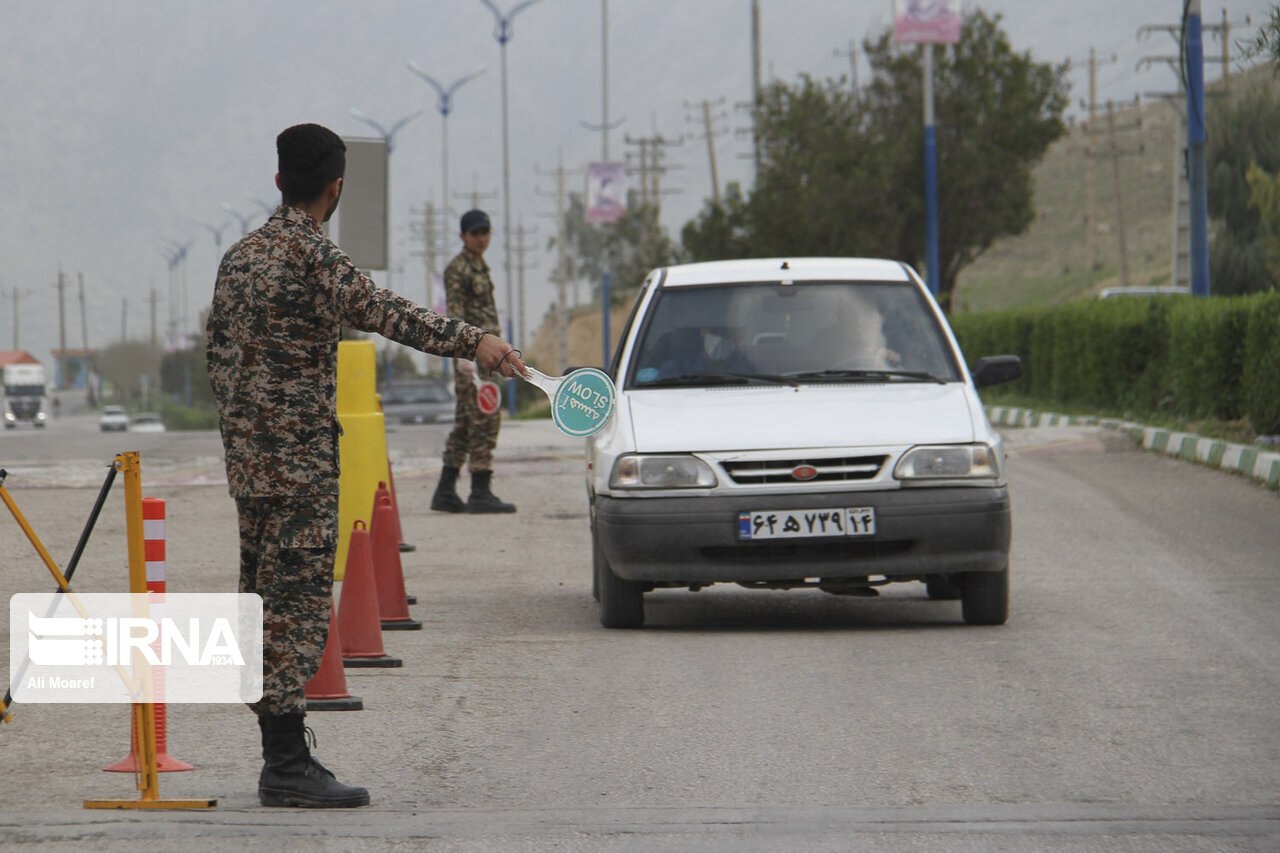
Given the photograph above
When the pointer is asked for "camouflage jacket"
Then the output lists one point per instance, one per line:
(283, 293)
(468, 290)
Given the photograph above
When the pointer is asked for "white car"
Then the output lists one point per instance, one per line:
(146, 422)
(789, 423)
(113, 419)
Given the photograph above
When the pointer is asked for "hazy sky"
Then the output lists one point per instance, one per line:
(127, 125)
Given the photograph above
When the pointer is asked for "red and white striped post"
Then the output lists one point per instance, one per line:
(153, 535)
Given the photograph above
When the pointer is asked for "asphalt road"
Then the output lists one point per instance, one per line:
(1131, 703)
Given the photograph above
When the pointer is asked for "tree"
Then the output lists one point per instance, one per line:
(1268, 41)
(843, 175)
(1244, 133)
(1265, 198)
(131, 367)
(184, 374)
(627, 249)
(721, 230)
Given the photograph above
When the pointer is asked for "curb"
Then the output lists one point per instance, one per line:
(1261, 466)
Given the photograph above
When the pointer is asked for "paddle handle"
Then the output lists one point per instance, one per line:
(547, 384)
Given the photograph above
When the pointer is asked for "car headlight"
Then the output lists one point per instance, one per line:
(948, 462)
(8, 416)
(661, 472)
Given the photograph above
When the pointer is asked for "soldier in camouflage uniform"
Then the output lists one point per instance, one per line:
(468, 291)
(283, 293)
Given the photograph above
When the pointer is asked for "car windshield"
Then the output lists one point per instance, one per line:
(802, 333)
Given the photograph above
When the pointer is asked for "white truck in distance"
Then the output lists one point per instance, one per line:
(24, 395)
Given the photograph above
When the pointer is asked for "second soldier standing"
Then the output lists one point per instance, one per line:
(469, 297)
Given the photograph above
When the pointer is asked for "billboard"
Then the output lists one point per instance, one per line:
(362, 212)
(926, 21)
(606, 192)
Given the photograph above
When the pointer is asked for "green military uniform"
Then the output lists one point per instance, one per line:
(468, 291)
(283, 293)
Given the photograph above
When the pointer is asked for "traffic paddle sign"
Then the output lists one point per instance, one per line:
(581, 402)
(488, 397)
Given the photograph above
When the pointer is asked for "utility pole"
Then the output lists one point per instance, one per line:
(124, 319)
(1114, 153)
(562, 272)
(1182, 263)
(154, 301)
(62, 325)
(521, 247)
(1091, 177)
(1197, 167)
(755, 80)
(17, 295)
(709, 133)
(84, 321)
(852, 54)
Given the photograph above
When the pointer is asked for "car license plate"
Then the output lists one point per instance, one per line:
(806, 523)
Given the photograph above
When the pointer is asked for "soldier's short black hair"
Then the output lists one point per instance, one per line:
(310, 157)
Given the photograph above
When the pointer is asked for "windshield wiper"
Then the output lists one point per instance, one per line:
(872, 375)
(694, 379)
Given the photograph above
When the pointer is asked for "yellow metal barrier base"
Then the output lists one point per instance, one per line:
(144, 720)
(151, 804)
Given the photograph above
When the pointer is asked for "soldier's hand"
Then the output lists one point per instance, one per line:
(497, 356)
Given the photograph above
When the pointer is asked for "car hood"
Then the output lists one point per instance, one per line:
(718, 419)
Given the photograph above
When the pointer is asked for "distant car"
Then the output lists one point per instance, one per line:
(146, 422)
(417, 401)
(113, 419)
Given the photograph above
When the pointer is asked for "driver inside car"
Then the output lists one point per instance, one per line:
(714, 349)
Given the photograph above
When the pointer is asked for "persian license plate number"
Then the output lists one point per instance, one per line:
(806, 523)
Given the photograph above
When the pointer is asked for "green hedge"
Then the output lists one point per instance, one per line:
(1193, 358)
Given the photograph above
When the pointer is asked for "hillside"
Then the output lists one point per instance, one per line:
(1050, 262)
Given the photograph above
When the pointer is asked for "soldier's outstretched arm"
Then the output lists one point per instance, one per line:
(359, 303)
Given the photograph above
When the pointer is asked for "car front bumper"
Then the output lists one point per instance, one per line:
(694, 540)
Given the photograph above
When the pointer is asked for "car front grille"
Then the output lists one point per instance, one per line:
(828, 469)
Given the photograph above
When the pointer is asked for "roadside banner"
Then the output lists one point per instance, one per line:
(607, 192)
(926, 21)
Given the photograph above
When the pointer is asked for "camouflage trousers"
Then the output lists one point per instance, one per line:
(287, 547)
(474, 434)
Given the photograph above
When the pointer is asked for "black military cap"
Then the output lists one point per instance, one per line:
(473, 219)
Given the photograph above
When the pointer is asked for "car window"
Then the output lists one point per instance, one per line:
(804, 332)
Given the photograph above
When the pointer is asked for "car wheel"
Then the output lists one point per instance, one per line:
(984, 597)
(942, 588)
(621, 602)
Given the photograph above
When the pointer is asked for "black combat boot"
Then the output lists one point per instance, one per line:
(291, 777)
(483, 500)
(446, 497)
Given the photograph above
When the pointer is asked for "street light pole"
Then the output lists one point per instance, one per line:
(444, 105)
(387, 136)
(243, 220)
(502, 32)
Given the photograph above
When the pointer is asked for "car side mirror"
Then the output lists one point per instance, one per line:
(995, 370)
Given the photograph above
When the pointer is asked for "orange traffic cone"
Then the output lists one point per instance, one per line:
(359, 625)
(392, 606)
(395, 504)
(409, 598)
(327, 689)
